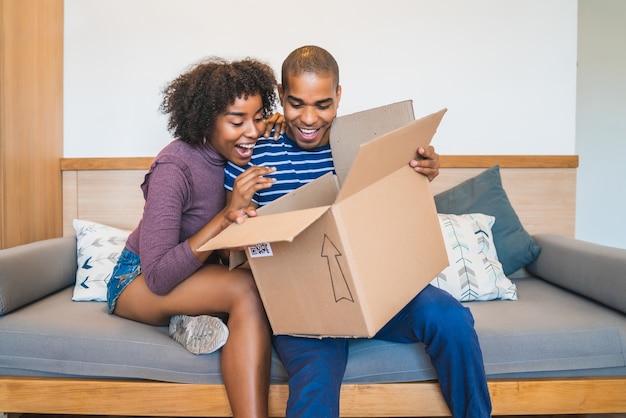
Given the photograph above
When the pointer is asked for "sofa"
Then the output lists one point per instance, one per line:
(558, 347)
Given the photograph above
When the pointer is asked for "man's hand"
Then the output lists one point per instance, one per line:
(429, 166)
(276, 122)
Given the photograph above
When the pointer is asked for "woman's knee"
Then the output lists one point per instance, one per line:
(245, 296)
(247, 285)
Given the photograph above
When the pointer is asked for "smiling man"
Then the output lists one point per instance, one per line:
(310, 93)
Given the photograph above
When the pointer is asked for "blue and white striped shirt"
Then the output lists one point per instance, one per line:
(295, 166)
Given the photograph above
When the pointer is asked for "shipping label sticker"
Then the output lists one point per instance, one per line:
(260, 250)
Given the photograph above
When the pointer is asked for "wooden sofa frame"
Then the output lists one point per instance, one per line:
(542, 190)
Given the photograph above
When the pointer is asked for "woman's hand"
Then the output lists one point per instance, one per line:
(276, 122)
(238, 206)
(246, 185)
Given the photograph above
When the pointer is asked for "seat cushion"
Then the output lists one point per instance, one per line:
(547, 330)
(56, 336)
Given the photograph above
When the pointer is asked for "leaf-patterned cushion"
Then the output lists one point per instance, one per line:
(484, 194)
(97, 248)
(474, 272)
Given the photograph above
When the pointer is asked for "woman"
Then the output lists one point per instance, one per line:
(217, 110)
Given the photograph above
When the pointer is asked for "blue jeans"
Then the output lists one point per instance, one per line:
(316, 366)
(126, 270)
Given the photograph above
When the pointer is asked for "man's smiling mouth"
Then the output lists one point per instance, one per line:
(308, 133)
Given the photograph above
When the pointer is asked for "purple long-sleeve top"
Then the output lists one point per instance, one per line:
(183, 191)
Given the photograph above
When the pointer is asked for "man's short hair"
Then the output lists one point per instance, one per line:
(310, 59)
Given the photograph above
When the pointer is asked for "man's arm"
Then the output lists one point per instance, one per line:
(429, 165)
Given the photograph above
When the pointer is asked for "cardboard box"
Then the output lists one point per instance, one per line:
(342, 261)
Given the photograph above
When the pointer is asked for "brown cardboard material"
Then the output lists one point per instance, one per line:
(342, 261)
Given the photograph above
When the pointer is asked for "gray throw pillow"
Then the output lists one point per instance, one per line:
(484, 194)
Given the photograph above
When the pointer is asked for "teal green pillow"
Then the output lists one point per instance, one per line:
(485, 194)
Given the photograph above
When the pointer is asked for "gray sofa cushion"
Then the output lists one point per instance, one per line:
(578, 266)
(59, 337)
(547, 329)
(32, 271)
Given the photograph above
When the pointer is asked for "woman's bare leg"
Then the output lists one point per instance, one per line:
(212, 290)
(246, 357)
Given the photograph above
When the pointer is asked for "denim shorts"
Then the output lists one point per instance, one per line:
(125, 271)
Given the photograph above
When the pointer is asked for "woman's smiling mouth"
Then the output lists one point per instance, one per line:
(245, 150)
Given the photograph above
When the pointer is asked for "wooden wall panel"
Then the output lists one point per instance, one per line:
(543, 198)
(31, 120)
(543, 193)
(110, 197)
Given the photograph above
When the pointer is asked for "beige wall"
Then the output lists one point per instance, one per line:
(601, 122)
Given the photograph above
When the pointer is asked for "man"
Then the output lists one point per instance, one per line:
(310, 93)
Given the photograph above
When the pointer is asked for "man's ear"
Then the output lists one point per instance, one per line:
(338, 94)
(280, 94)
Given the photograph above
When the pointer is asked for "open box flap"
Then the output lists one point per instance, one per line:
(386, 154)
(348, 132)
(267, 228)
(319, 192)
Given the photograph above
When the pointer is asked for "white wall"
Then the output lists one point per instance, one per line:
(601, 122)
(506, 70)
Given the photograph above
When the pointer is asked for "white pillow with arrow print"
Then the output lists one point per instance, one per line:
(474, 273)
(97, 250)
